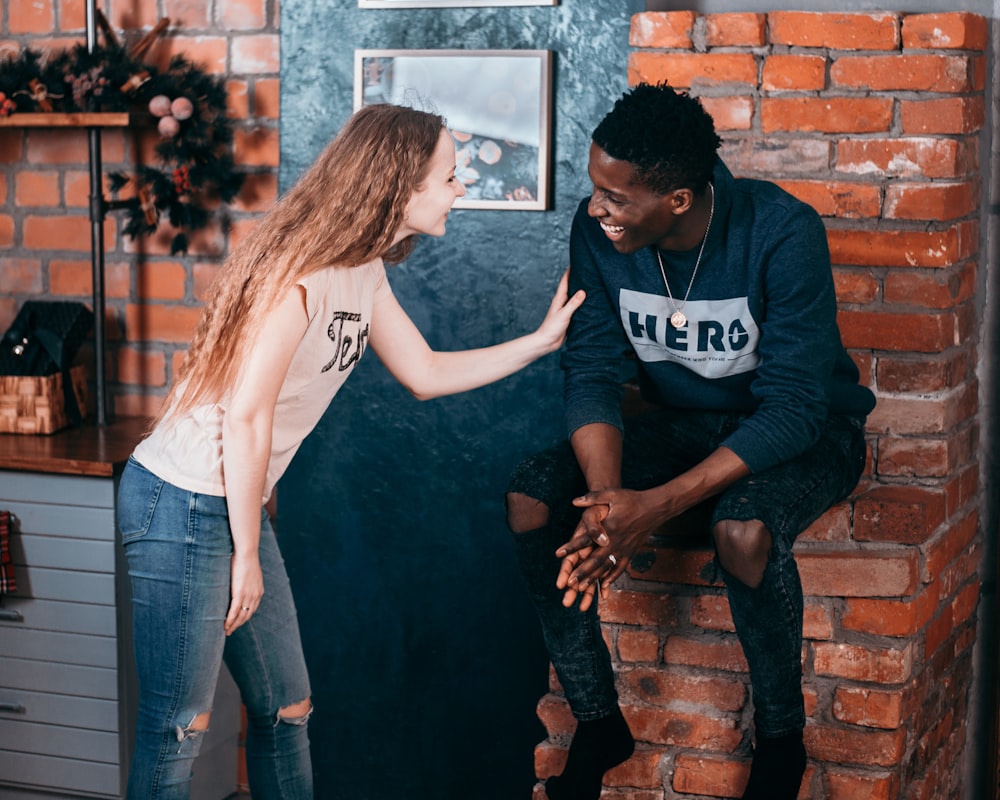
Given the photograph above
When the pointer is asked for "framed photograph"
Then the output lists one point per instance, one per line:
(451, 3)
(496, 104)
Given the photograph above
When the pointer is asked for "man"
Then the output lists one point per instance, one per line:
(722, 290)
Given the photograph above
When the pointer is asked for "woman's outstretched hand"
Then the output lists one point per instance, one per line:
(431, 373)
(561, 310)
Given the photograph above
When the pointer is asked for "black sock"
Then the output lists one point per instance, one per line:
(598, 745)
(777, 769)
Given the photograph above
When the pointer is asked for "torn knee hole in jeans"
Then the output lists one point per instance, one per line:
(197, 727)
(294, 719)
(525, 513)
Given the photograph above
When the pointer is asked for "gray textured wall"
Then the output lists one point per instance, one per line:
(425, 656)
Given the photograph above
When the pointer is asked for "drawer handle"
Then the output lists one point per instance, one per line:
(13, 708)
(9, 615)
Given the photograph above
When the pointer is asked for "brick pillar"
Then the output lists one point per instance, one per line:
(875, 120)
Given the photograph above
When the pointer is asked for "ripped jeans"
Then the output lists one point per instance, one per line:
(657, 447)
(178, 547)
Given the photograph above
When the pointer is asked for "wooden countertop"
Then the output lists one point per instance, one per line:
(89, 450)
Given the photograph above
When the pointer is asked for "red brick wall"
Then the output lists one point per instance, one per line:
(152, 297)
(875, 120)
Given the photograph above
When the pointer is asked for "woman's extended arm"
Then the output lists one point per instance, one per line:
(246, 445)
(428, 373)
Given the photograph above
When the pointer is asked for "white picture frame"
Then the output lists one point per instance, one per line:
(496, 104)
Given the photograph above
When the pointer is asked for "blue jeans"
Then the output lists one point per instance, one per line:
(179, 547)
(657, 447)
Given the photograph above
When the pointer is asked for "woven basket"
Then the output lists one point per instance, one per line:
(36, 405)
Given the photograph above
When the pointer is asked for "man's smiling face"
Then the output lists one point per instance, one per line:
(631, 215)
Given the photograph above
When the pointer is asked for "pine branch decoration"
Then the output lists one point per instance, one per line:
(195, 152)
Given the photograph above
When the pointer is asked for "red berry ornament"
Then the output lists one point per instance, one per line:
(181, 108)
(168, 127)
(159, 106)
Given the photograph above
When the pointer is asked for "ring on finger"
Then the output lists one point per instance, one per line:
(246, 608)
(612, 559)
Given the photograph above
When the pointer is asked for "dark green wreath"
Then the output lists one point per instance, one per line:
(196, 165)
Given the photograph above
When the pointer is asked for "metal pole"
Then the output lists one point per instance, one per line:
(97, 211)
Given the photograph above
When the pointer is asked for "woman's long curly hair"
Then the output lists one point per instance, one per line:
(345, 210)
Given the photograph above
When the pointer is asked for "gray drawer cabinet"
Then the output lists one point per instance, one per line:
(67, 681)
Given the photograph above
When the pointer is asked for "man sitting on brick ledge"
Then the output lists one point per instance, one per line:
(722, 288)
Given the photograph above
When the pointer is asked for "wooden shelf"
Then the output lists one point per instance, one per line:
(96, 119)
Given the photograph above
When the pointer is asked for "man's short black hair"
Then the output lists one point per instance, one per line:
(666, 135)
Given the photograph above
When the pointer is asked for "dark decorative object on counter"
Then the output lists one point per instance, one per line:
(44, 337)
(42, 341)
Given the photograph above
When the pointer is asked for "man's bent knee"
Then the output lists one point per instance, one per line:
(525, 513)
(743, 548)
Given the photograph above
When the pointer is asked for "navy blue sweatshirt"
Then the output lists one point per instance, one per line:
(761, 337)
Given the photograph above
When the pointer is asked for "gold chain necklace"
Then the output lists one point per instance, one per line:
(678, 319)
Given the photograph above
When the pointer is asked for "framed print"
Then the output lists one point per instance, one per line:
(496, 104)
(451, 3)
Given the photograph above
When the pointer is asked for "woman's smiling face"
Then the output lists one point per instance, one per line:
(427, 211)
(631, 215)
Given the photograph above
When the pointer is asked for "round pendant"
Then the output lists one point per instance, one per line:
(678, 320)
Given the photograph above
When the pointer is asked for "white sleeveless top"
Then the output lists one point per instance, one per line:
(187, 450)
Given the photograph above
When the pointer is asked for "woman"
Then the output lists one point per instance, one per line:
(293, 310)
